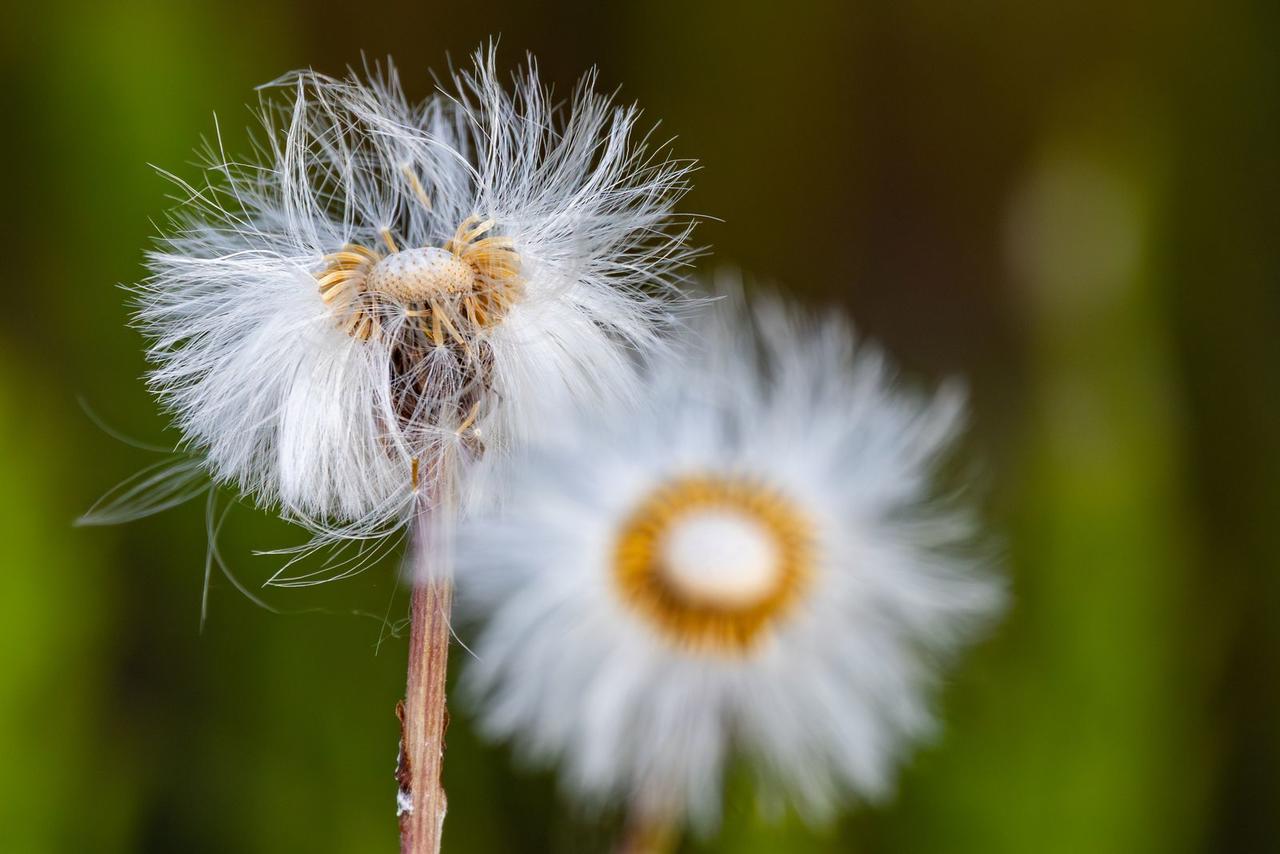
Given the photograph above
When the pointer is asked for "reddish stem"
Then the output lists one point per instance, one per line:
(423, 717)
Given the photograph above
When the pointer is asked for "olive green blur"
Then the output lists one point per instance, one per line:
(1074, 205)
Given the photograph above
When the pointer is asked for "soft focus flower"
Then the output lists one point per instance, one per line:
(756, 558)
(387, 289)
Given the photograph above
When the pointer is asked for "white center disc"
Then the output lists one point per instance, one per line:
(720, 558)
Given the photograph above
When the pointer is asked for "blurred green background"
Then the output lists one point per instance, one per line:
(1075, 205)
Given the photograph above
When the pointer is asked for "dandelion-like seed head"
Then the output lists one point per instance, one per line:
(713, 561)
(386, 291)
(755, 559)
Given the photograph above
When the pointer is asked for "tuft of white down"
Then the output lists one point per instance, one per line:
(325, 426)
(831, 699)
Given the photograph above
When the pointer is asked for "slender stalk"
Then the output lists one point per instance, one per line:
(423, 717)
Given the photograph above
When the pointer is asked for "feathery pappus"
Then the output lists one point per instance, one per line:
(756, 560)
(387, 289)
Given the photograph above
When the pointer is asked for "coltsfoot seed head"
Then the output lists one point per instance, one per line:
(752, 562)
(384, 282)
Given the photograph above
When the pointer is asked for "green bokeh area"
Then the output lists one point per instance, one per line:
(1075, 206)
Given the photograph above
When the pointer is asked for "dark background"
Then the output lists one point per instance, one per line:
(1074, 205)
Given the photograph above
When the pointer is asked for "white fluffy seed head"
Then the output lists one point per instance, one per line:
(294, 332)
(587, 660)
(719, 558)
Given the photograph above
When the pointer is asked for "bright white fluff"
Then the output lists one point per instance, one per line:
(773, 447)
(387, 289)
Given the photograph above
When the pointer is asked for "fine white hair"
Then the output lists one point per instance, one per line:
(827, 705)
(283, 403)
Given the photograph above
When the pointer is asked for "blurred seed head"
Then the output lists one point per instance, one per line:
(755, 559)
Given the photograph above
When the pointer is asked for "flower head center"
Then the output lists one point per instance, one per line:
(713, 562)
(447, 293)
(720, 558)
(421, 275)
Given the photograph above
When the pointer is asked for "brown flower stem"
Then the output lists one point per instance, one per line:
(423, 717)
